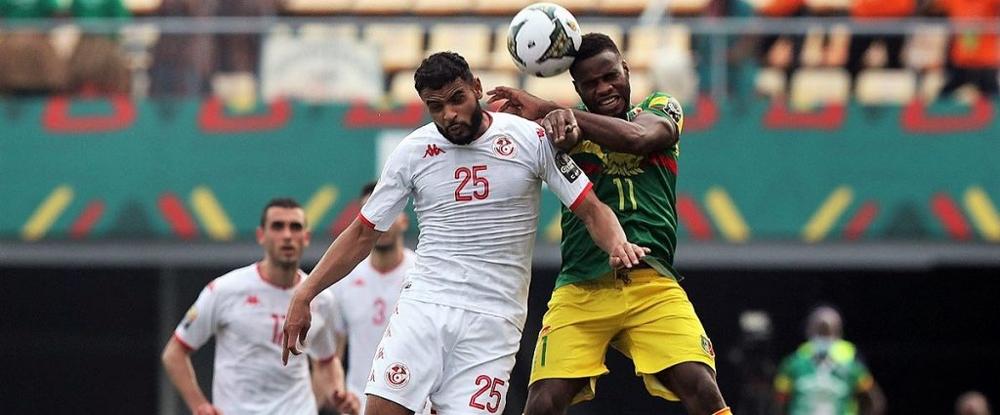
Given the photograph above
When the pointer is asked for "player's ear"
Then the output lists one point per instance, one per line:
(260, 235)
(625, 67)
(478, 88)
(404, 223)
(306, 237)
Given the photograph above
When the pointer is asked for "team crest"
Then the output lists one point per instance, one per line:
(706, 345)
(504, 147)
(397, 376)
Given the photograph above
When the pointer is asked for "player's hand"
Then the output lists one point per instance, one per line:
(520, 103)
(626, 255)
(206, 409)
(297, 321)
(346, 402)
(561, 127)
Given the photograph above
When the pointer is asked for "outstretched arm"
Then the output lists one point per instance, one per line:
(607, 233)
(345, 253)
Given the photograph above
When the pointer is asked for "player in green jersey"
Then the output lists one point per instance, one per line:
(825, 375)
(630, 154)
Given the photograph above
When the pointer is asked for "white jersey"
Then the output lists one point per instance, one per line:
(246, 313)
(477, 208)
(365, 300)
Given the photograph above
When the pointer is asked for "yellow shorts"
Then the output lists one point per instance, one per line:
(649, 319)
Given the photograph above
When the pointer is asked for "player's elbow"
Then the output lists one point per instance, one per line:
(173, 352)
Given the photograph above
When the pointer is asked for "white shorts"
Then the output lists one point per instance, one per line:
(459, 359)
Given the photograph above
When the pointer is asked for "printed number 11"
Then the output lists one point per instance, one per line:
(621, 193)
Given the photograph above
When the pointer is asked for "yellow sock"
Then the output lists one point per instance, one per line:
(723, 411)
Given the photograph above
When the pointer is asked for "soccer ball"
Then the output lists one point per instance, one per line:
(543, 39)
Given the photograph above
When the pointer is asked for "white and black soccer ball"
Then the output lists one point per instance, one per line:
(543, 39)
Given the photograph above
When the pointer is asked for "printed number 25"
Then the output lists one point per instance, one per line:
(482, 185)
(488, 384)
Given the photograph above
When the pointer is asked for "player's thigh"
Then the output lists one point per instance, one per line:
(576, 329)
(662, 331)
(549, 396)
(477, 369)
(408, 362)
(376, 405)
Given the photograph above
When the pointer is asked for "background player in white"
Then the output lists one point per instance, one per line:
(244, 310)
(366, 298)
(475, 180)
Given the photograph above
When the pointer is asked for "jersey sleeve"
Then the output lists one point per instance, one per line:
(861, 378)
(391, 193)
(200, 322)
(561, 173)
(666, 106)
(323, 347)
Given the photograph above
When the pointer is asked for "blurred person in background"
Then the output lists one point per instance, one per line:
(825, 375)
(781, 51)
(244, 310)
(29, 65)
(630, 153)
(972, 403)
(367, 298)
(182, 63)
(862, 10)
(975, 54)
(98, 65)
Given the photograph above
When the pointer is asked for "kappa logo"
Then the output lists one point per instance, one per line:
(504, 147)
(541, 132)
(397, 376)
(252, 300)
(432, 151)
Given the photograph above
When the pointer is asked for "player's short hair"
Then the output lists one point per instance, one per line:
(282, 202)
(439, 69)
(368, 189)
(591, 45)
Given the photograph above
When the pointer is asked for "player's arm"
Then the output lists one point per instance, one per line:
(176, 360)
(645, 134)
(329, 387)
(345, 253)
(871, 400)
(606, 231)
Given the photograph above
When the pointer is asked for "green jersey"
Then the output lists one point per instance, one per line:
(823, 379)
(640, 189)
(98, 8)
(27, 9)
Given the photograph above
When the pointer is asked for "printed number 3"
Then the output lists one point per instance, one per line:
(488, 384)
(465, 174)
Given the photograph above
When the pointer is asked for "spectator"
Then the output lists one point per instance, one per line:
(781, 51)
(862, 10)
(97, 64)
(975, 56)
(825, 375)
(29, 65)
(182, 63)
(972, 403)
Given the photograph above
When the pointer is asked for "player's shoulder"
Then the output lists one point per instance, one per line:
(664, 104)
(523, 131)
(234, 281)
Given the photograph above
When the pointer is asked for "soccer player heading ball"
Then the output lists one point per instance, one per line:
(475, 180)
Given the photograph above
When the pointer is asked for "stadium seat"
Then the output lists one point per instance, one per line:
(499, 7)
(401, 88)
(812, 48)
(644, 42)
(400, 44)
(315, 7)
(635, 7)
(381, 7)
(493, 79)
(558, 88)
(470, 40)
(500, 59)
(771, 82)
(441, 7)
(816, 87)
(578, 7)
(885, 86)
(926, 48)
(673, 71)
(826, 7)
(64, 39)
(613, 31)
(323, 31)
(641, 84)
(930, 84)
(142, 7)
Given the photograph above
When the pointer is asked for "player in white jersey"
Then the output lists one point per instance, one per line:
(475, 180)
(367, 297)
(244, 309)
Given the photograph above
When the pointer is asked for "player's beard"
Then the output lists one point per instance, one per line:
(475, 123)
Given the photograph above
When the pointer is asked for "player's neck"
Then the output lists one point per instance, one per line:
(278, 275)
(384, 261)
(485, 125)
